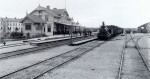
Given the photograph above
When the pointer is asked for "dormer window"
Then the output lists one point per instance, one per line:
(40, 12)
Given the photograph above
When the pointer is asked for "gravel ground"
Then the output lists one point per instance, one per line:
(100, 63)
(133, 65)
(15, 63)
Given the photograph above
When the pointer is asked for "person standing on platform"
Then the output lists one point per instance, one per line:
(3, 41)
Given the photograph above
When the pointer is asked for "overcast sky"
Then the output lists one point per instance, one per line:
(90, 13)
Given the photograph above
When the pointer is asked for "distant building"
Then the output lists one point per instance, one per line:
(2, 30)
(8, 25)
(48, 21)
(13, 24)
(129, 30)
(145, 28)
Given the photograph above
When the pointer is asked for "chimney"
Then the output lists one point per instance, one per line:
(48, 7)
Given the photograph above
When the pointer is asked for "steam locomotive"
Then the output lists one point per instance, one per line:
(109, 31)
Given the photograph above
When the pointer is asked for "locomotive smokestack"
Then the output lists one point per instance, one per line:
(103, 24)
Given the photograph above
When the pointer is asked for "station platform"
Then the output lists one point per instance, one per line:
(33, 39)
(25, 45)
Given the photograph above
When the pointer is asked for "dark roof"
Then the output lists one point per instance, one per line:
(11, 19)
(59, 12)
(34, 18)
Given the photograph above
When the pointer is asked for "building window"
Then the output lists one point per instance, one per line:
(28, 27)
(46, 17)
(49, 28)
(40, 12)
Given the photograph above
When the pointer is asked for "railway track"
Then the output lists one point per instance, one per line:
(140, 53)
(39, 69)
(45, 46)
(123, 53)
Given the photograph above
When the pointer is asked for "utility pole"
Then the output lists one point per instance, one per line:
(65, 4)
(71, 30)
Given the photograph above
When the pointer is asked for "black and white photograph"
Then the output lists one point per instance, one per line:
(74, 39)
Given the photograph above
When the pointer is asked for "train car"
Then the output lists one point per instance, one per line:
(114, 30)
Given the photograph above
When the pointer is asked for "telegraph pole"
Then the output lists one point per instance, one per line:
(65, 5)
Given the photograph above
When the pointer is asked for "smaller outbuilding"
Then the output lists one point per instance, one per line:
(145, 28)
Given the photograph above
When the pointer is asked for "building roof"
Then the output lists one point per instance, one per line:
(34, 18)
(11, 19)
(47, 10)
(145, 25)
(55, 12)
(59, 12)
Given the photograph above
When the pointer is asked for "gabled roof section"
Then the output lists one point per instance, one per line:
(34, 18)
(47, 10)
(54, 12)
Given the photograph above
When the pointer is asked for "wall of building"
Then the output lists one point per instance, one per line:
(49, 22)
(148, 28)
(43, 13)
(12, 26)
(1, 28)
(34, 30)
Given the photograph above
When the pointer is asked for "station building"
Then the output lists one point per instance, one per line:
(145, 28)
(8, 25)
(44, 20)
(2, 30)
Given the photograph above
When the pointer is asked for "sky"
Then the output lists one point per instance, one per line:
(89, 13)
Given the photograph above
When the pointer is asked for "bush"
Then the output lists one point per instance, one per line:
(44, 35)
(16, 35)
